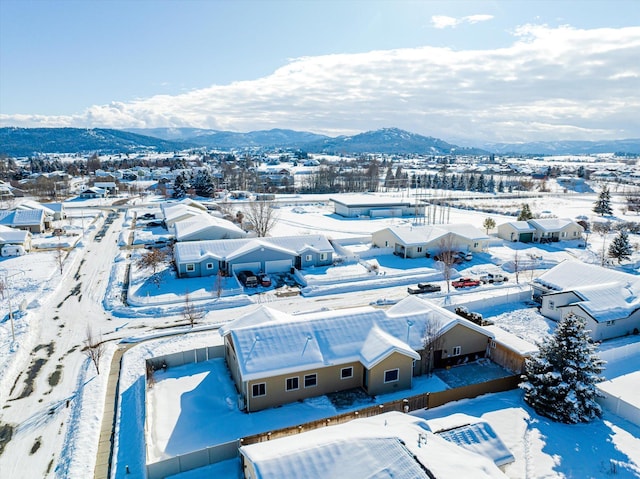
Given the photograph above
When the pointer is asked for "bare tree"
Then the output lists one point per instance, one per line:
(516, 266)
(262, 216)
(60, 255)
(93, 348)
(432, 341)
(448, 257)
(218, 285)
(152, 260)
(602, 228)
(189, 311)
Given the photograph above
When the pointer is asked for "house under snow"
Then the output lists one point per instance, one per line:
(608, 300)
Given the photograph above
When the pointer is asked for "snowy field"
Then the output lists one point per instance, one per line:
(53, 400)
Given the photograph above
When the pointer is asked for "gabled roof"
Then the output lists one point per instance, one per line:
(10, 235)
(196, 251)
(521, 226)
(552, 225)
(572, 275)
(379, 345)
(388, 445)
(465, 230)
(172, 212)
(363, 200)
(257, 244)
(420, 235)
(26, 217)
(199, 223)
(270, 342)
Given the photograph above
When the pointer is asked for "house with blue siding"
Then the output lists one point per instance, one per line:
(259, 255)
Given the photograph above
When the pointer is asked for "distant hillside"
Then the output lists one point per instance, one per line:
(275, 138)
(631, 146)
(20, 142)
(390, 141)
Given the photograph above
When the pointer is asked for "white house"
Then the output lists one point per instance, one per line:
(206, 227)
(608, 300)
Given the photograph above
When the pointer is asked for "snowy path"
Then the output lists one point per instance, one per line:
(46, 414)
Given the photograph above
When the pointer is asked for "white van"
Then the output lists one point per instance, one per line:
(12, 250)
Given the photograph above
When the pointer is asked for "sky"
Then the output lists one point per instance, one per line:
(489, 71)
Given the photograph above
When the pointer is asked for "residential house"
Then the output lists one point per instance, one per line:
(426, 240)
(392, 444)
(93, 192)
(353, 206)
(556, 229)
(175, 212)
(12, 236)
(275, 358)
(608, 300)
(110, 186)
(515, 231)
(267, 255)
(33, 220)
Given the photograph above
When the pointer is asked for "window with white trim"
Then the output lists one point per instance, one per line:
(310, 380)
(346, 373)
(419, 249)
(323, 256)
(493, 344)
(308, 257)
(259, 389)
(457, 350)
(391, 375)
(292, 383)
(190, 267)
(209, 265)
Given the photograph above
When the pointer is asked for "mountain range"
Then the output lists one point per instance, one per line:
(21, 142)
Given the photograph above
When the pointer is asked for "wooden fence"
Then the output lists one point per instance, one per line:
(411, 403)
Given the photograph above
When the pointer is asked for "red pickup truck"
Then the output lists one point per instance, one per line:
(465, 283)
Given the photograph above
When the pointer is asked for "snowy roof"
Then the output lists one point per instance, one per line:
(270, 342)
(368, 200)
(22, 217)
(521, 226)
(479, 437)
(416, 235)
(175, 211)
(465, 230)
(552, 224)
(511, 341)
(203, 221)
(624, 387)
(34, 205)
(604, 293)
(195, 251)
(389, 445)
(10, 235)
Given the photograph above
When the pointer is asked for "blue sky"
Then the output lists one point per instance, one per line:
(485, 70)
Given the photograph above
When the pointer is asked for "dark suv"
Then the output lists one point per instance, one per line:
(248, 279)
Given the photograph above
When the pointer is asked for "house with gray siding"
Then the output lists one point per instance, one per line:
(353, 206)
(266, 255)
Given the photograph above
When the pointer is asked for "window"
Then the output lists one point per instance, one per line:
(259, 389)
(419, 249)
(308, 257)
(386, 243)
(391, 375)
(190, 267)
(493, 344)
(475, 245)
(323, 256)
(551, 304)
(310, 380)
(611, 323)
(457, 350)
(209, 265)
(292, 384)
(346, 373)
(564, 234)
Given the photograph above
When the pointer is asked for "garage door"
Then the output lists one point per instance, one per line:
(254, 267)
(279, 266)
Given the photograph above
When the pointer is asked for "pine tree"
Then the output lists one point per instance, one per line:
(603, 203)
(560, 380)
(180, 186)
(620, 248)
(525, 213)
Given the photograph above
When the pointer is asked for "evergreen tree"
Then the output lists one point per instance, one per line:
(560, 379)
(203, 184)
(603, 203)
(525, 213)
(620, 248)
(491, 185)
(180, 186)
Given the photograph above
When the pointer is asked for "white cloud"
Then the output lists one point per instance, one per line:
(550, 83)
(443, 21)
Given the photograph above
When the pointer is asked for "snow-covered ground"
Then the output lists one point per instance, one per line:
(52, 399)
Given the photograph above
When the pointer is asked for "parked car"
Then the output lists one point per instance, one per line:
(265, 280)
(423, 288)
(493, 278)
(454, 258)
(465, 255)
(247, 278)
(465, 283)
